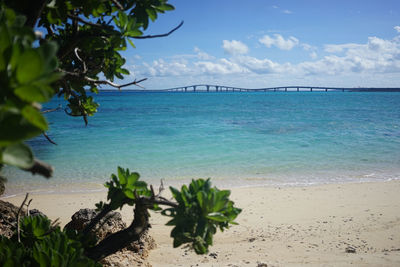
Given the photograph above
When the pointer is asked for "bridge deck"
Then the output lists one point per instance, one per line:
(223, 88)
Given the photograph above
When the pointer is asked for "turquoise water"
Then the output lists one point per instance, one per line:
(237, 139)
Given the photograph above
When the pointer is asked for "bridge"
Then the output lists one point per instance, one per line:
(223, 88)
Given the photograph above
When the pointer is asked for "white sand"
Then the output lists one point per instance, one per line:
(280, 226)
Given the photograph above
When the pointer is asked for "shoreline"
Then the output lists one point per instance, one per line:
(279, 226)
(93, 187)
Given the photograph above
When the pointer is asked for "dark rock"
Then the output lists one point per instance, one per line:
(109, 224)
(8, 218)
(35, 212)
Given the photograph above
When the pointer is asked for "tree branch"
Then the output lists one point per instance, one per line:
(121, 239)
(98, 82)
(114, 84)
(118, 4)
(49, 139)
(86, 22)
(18, 218)
(106, 209)
(51, 110)
(81, 60)
(159, 35)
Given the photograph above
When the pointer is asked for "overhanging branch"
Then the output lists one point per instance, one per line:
(101, 26)
(159, 35)
(98, 82)
(119, 86)
(118, 4)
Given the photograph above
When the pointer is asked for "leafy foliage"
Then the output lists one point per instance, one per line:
(42, 245)
(26, 75)
(201, 210)
(79, 42)
(124, 189)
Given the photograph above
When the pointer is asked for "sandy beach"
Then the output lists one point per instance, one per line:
(354, 224)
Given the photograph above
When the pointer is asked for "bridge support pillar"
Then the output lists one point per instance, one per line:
(194, 88)
(208, 88)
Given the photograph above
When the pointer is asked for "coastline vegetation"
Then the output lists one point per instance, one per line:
(62, 48)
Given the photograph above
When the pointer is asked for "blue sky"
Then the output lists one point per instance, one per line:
(264, 43)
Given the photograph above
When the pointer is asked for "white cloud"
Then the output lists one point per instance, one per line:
(375, 56)
(161, 67)
(275, 6)
(234, 47)
(278, 41)
(337, 48)
(286, 11)
(222, 66)
(201, 54)
(262, 66)
(339, 63)
(397, 28)
(313, 55)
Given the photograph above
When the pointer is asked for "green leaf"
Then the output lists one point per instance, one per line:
(129, 194)
(33, 93)
(15, 128)
(19, 155)
(34, 117)
(48, 51)
(152, 13)
(166, 7)
(134, 33)
(201, 195)
(199, 248)
(131, 180)
(121, 176)
(217, 216)
(30, 66)
(131, 43)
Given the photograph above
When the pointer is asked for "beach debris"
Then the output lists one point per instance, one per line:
(350, 249)
(213, 255)
(261, 264)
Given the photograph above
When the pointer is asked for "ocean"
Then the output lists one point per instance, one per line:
(236, 139)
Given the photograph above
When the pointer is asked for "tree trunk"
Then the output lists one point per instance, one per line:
(123, 238)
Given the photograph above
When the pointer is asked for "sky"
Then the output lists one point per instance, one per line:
(267, 43)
